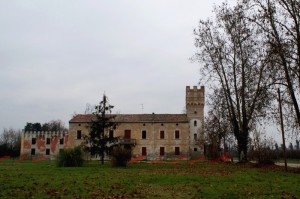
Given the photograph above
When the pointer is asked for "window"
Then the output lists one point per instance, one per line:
(195, 136)
(195, 149)
(195, 123)
(48, 140)
(32, 151)
(161, 124)
(144, 151)
(111, 134)
(79, 124)
(162, 135)
(177, 150)
(79, 135)
(162, 151)
(177, 134)
(47, 151)
(61, 141)
(127, 134)
(33, 140)
(144, 134)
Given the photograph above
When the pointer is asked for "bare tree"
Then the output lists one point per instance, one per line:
(10, 142)
(279, 20)
(233, 59)
(216, 125)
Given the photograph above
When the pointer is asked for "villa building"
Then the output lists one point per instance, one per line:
(165, 136)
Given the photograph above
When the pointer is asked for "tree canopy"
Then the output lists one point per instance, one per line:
(101, 130)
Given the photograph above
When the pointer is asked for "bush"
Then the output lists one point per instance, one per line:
(120, 156)
(70, 157)
(263, 156)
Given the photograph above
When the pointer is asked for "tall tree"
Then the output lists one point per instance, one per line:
(216, 126)
(10, 142)
(233, 59)
(97, 142)
(33, 126)
(279, 20)
(54, 125)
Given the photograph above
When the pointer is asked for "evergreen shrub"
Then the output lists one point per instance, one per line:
(70, 157)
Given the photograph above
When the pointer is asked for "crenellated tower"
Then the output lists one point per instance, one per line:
(195, 100)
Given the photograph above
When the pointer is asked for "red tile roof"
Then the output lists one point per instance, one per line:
(135, 118)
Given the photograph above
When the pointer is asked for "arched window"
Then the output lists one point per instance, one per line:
(195, 123)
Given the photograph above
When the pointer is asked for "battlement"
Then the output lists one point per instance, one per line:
(195, 88)
(45, 133)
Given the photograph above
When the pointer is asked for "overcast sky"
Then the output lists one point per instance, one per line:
(57, 56)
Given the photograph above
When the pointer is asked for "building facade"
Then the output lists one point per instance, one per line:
(164, 136)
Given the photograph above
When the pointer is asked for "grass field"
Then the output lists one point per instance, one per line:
(201, 180)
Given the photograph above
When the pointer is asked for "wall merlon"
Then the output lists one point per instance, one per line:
(195, 88)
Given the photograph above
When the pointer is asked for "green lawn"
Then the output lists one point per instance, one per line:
(201, 180)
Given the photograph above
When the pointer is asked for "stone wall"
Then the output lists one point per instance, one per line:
(38, 143)
(152, 142)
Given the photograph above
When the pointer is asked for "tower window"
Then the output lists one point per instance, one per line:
(48, 140)
(195, 136)
(195, 123)
(111, 134)
(162, 134)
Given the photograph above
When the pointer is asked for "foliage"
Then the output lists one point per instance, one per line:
(33, 126)
(72, 157)
(53, 125)
(200, 180)
(120, 156)
(10, 142)
(99, 136)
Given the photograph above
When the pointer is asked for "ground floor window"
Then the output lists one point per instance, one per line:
(32, 151)
(144, 151)
(162, 151)
(177, 150)
(47, 151)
